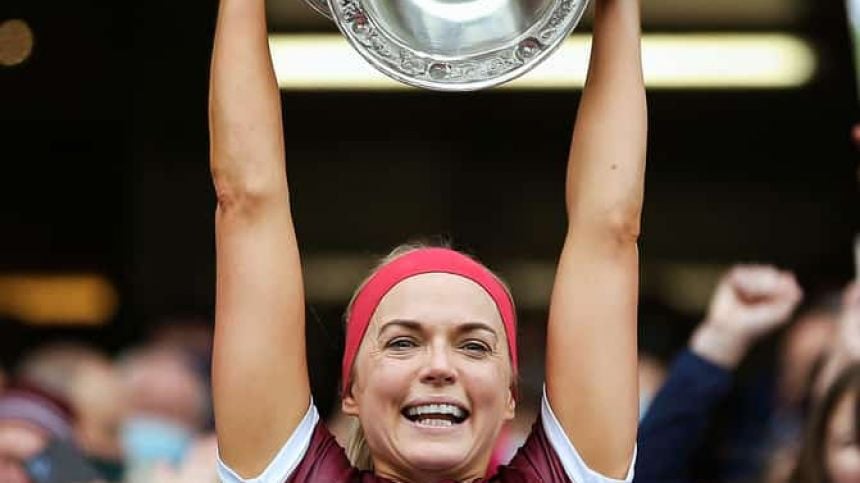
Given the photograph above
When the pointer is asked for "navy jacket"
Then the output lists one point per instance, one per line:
(673, 428)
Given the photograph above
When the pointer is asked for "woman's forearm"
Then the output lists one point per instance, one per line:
(247, 147)
(607, 161)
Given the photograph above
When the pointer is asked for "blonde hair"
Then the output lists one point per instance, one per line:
(357, 449)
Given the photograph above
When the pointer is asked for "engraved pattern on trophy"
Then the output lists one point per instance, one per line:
(455, 45)
(424, 51)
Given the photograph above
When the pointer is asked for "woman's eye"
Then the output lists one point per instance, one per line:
(477, 347)
(401, 344)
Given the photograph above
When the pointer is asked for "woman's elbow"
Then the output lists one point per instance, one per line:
(620, 226)
(245, 192)
(624, 225)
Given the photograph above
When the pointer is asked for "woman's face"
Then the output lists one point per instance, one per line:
(432, 379)
(842, 446)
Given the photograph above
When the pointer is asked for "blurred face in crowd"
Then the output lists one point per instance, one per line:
(161, 384)
(89, 382)
(805, 343)
(166, 401)
(18, 443)
(842, 446)
(433, 378)
(99, 400)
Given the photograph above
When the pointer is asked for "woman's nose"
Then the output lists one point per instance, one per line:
(439, 369)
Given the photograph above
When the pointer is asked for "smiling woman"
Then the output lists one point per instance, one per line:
(439, 318)
(430, 365)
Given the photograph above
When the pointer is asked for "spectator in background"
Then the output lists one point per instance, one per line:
(88, 380)
(831, 453)
(748, 303)
(845, 349)
(803, 349)
(831, 450)
(193, 336)
(652, 376)
(29, 419)
(662, 332)
(167, 410)
(198, 466)
(804, 346)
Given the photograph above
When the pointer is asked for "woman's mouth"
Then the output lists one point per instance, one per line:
(436, 415)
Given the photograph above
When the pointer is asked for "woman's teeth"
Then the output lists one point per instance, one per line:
(436, 422)
(438, 415)
(447, 409)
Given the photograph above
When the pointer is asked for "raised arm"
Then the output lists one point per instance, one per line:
(260, 380)
(749, 303)
(591, 339)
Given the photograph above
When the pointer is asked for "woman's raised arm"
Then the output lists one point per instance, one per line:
(261, 389)
(591, 338)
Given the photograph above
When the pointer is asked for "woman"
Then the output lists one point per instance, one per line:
(430, 365)
(831, 452)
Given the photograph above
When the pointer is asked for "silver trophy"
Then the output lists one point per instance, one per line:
(453, 45)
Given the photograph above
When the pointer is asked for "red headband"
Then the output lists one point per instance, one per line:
(417, 262)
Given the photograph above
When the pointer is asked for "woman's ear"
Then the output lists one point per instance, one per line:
(511, 405)
(348, 404)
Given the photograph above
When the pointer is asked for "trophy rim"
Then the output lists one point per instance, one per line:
(321, 7)
(490, 68)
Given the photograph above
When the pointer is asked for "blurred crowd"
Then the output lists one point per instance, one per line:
(793, 420)
(69, 412)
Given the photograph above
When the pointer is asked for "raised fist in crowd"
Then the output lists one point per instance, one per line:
(749, 302)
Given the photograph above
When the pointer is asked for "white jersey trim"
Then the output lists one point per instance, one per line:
(293, 451)
(574, 465)
(287, 459)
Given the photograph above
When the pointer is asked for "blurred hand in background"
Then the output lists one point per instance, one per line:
(749, 302)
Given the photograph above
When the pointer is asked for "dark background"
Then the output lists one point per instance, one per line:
(103, 145)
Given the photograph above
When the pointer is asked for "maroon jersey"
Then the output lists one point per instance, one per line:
(325, 460)
(312, 455)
